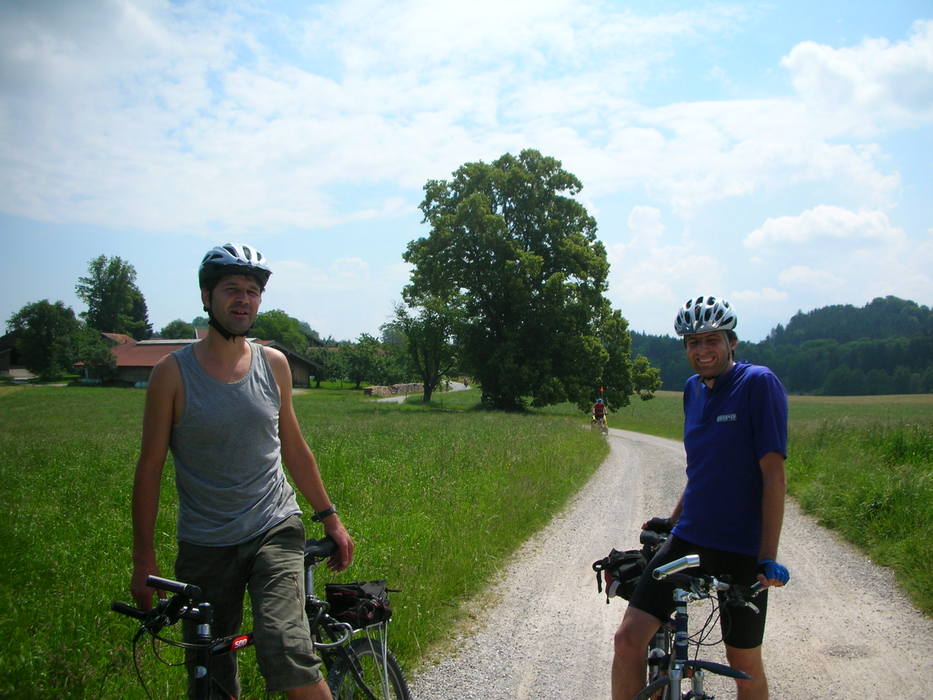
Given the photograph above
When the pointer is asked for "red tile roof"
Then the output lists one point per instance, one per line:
(119, 338)
(147, 352)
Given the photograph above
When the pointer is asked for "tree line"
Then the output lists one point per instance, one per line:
(50, 338)
(884, 347)
(508, 287)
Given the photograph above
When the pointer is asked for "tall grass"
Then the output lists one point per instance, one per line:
(436, 496)
(873, 482)
(436, 500)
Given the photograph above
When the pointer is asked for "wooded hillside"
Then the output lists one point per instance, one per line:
(884, 347)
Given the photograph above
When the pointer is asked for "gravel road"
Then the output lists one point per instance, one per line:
(839, 629)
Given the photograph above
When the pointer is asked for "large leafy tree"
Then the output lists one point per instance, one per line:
(645, 378)
(515, 256)
(96, 356)
(115, 304)
(328, 364)
(278, 325)
(428, 337)
(364, 360)
(178, 329)
(48, 337)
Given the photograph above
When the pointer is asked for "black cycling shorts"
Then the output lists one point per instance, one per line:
(742, 628)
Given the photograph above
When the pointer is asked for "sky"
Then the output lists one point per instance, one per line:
(777, 154)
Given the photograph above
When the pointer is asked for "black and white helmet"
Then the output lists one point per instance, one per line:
(233, 259)
(705, 314)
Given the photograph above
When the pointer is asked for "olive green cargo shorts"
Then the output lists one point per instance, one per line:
(271, 567)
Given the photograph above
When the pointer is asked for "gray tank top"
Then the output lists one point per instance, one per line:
(228, 461)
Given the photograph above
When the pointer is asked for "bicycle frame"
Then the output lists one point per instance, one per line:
(681, 666)
(344, 656)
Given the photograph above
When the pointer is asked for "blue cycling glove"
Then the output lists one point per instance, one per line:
(772, 570)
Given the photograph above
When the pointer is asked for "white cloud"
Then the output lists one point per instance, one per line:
(822, 223)
(836, 256)
(767, 294)
(311, 120)
(650, 276)
(151, 116)
(340, 297)
(804, 276)
(873, 87)
(692, 154)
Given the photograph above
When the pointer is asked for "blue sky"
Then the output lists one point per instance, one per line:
(775, 153)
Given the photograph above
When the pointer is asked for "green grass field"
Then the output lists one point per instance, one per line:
(436, 496)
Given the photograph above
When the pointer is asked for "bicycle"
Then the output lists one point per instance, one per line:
(667, 655)
(600, 422)
(355, 654)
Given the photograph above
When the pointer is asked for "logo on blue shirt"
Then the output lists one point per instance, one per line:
(727, 418)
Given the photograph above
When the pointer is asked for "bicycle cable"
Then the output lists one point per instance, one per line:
(139, 673)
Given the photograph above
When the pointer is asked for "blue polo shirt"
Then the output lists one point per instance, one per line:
(727, 430)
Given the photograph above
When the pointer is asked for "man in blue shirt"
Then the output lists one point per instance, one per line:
(732, 509)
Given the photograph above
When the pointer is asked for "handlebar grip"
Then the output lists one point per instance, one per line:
(651, 538)
(165, 584)
(688, 562)
(316, 550)
(129, 610)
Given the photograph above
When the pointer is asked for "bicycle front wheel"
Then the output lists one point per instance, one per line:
(369, 671)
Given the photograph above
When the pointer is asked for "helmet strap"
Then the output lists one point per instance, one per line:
(216, 325)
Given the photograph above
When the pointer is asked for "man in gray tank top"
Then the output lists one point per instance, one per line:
(224, 408)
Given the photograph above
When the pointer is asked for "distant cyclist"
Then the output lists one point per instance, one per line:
(599, 412)
(732, 509)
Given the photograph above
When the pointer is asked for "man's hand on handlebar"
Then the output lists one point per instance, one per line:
(658, 525)
(772, 573)
(141, 592)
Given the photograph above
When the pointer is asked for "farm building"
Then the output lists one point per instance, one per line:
(136, 358)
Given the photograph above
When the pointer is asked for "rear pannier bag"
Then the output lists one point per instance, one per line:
(360, 603)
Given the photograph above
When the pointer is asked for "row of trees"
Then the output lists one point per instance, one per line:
(50, 338)
(508, 288)
(369, 359)
(885, 347)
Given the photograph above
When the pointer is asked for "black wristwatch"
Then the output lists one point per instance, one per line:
(327, 512)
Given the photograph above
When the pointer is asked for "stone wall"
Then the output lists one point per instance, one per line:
(393, 390)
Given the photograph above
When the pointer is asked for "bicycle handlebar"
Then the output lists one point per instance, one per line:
(319, 549)
(189, 590)
(167, 611)
(702, 584)
(675, 567)
(129, 610)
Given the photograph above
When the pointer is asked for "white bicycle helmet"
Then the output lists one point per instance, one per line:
(705, 314)
(232, 259)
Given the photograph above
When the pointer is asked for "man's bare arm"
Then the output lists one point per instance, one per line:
(157, 427)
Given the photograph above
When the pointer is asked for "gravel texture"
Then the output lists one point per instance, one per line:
(839, 629)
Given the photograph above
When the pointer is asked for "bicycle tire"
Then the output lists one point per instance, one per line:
(368, 654)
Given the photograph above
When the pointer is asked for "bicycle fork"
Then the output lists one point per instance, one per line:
(681, 635)
(202, 676)
(685, 667)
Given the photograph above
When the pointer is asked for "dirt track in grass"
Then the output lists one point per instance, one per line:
(840, 629)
